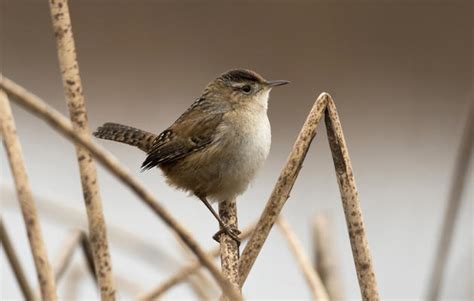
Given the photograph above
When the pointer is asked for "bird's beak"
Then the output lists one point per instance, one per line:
(276, 83)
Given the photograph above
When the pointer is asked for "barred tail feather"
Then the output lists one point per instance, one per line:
(126, 134)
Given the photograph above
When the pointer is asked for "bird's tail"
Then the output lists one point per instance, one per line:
(126, 134)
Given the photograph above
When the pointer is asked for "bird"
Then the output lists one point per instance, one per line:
(216, 147)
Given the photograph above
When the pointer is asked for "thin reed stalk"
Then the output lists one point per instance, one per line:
(318, 291)
(186, 271)
(458, 181)
(282, 188)
(62, 125)
(25, 197)
(69, 67)
(15, 264)
(326, 262)
(351, 204)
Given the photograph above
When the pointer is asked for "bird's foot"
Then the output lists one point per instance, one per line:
(232, 232)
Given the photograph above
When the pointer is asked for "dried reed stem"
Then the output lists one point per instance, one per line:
(186, 271)
(229, 249)
(77, 111)
(351, 204)
(75, 239)
(25, 197)
(325, 257)
(318, 291)
(282, 188)
(463, 158)
(15, 263)
(62, 125)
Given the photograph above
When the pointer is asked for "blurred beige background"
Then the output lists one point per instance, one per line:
(399, 71)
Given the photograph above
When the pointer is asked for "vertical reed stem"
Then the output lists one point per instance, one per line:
(25, 197)
(229, 248)
(77, 110)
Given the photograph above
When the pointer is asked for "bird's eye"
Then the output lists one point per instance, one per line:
(247, 89)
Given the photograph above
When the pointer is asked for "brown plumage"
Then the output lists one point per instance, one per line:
(192, 132)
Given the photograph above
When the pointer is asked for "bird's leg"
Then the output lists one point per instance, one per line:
(233, 233)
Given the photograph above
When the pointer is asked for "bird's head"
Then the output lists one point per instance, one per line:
(243, 87)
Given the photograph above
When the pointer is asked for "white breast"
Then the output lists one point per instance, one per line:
(255, 135)
(248, 140)
(259, 139)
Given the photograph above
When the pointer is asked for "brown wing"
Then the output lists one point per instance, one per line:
(193, 131)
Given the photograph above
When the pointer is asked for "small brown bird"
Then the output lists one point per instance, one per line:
(215, 148)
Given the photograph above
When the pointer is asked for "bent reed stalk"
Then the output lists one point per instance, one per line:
(351, 204)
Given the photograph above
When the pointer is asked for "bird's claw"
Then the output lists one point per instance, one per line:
(232, 232)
